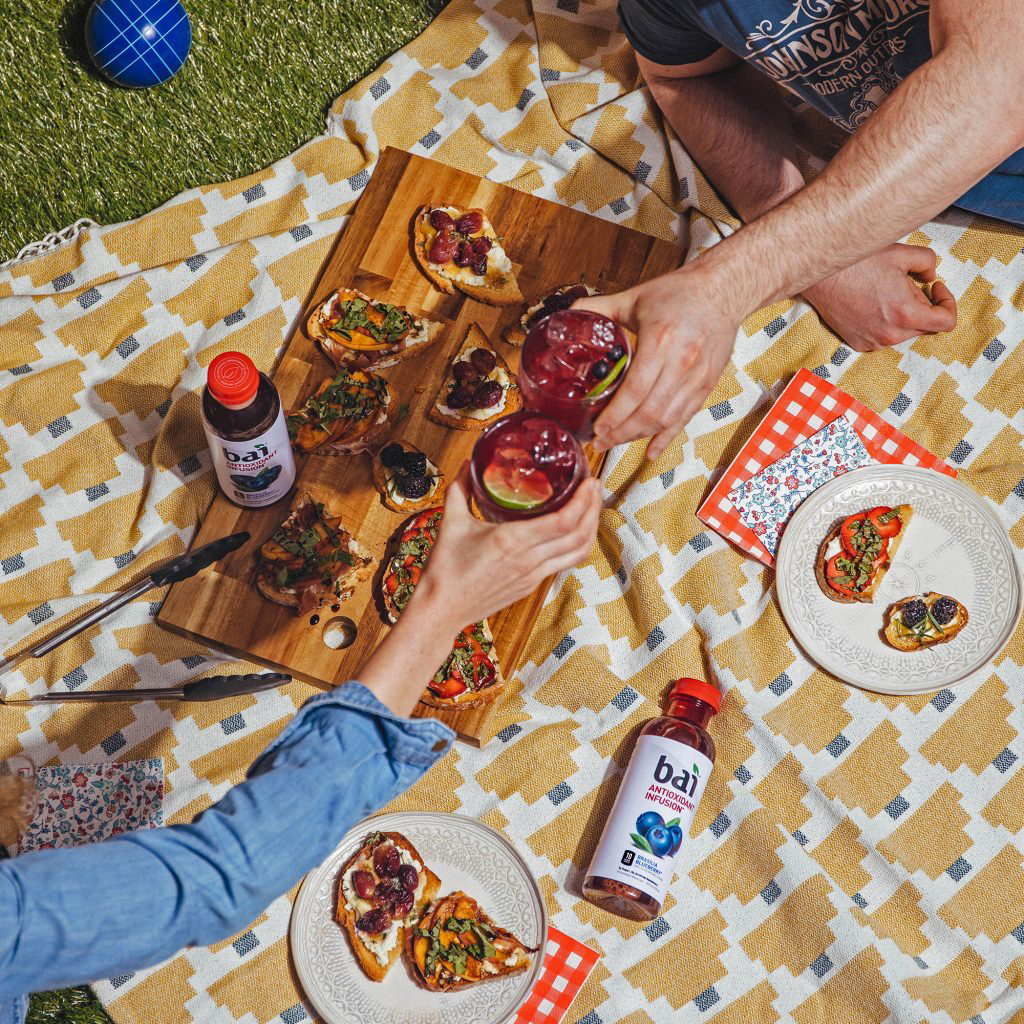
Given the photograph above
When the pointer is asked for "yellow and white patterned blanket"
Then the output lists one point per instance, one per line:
(856, 858)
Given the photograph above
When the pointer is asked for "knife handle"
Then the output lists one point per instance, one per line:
(185, 566)
(217, 687)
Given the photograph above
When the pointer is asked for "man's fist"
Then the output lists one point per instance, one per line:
(876, 303)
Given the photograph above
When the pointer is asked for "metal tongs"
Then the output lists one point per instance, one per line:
(177, 569)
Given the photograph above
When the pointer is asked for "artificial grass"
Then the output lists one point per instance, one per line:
(256, 85)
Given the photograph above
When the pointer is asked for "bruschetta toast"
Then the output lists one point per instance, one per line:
(310, 558)
(455, 945)
(459, 248)
(559, 299)
(344, 416)
(406, 479)
(479, 387)
(914, 623)
(856, 553)
(383, 888)
(357, 332)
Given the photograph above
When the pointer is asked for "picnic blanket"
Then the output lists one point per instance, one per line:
(855, 857)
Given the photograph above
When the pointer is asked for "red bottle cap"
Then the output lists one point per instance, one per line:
(699, 690)
(233, 379)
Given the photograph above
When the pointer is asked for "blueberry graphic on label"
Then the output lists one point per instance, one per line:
(647, 821)
(260, 482)
(660, 840)
(677, 838)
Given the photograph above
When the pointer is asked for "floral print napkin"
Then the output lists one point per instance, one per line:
(766, 501)
(88, 803)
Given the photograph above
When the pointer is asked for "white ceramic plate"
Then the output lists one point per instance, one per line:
(465, 854)
(955, 545)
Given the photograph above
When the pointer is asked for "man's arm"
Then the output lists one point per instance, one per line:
(946, 126)
(735, 125)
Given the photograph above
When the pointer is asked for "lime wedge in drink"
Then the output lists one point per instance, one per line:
(613, 374)
(514, 486)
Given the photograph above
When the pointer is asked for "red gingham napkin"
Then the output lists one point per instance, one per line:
(566, 966)
(803, 408)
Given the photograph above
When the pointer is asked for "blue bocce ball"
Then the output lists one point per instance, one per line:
(138, 43)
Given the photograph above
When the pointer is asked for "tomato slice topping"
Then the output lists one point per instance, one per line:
(841, 573)
(849, 530)
(450, 687)
(885, 520)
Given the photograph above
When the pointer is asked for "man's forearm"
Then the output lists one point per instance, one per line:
(932, 139)
(737, 128)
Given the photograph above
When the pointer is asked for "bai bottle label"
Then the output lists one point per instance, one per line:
(255, 472)
(650, 820)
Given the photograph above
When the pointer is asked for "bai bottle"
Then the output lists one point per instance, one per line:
(650, 820)
(246, 431)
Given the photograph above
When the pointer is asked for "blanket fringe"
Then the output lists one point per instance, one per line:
(52, 241)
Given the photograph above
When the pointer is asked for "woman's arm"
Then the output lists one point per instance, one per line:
(68, 916)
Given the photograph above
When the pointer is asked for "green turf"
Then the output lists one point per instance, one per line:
(256, 85)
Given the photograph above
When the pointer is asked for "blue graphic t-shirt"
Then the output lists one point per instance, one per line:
(841, 56)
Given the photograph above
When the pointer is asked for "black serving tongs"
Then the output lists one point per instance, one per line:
(177, 569)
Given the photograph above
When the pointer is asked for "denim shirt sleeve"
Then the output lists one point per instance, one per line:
(75, 915)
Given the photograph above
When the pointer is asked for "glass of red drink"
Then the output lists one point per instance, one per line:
(573, 363)
(525, 465)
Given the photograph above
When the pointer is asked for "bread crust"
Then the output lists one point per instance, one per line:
(909, 644)
(867, 595)
(380, 481)
(475, 338)
(372, 967)
(500, 289)
(353, 359)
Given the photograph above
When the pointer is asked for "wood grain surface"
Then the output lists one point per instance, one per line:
(549, 246)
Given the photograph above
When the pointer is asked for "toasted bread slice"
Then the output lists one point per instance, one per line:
(292, 573)
(387, 481)
(350, 909)
(476, 419)
(470, 676)
(561, 297)
(410, 547)
(380, 333)
(359, 404)
(926, 632)
(497, 286)
(867, 594)
(455, 944)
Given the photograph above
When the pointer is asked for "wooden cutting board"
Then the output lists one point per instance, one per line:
(549, 245)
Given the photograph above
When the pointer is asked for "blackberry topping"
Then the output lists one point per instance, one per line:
(914, 613)
(413, 486)
(944, 610)
(391, 455)
(413, 464)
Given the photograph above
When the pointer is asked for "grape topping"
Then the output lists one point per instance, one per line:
(487, 394)
(374, 922)
(364, 884)
(409, 877)
(440, 219)
(386, 861)
(470, 223)
(459, 397)
(483, 360)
